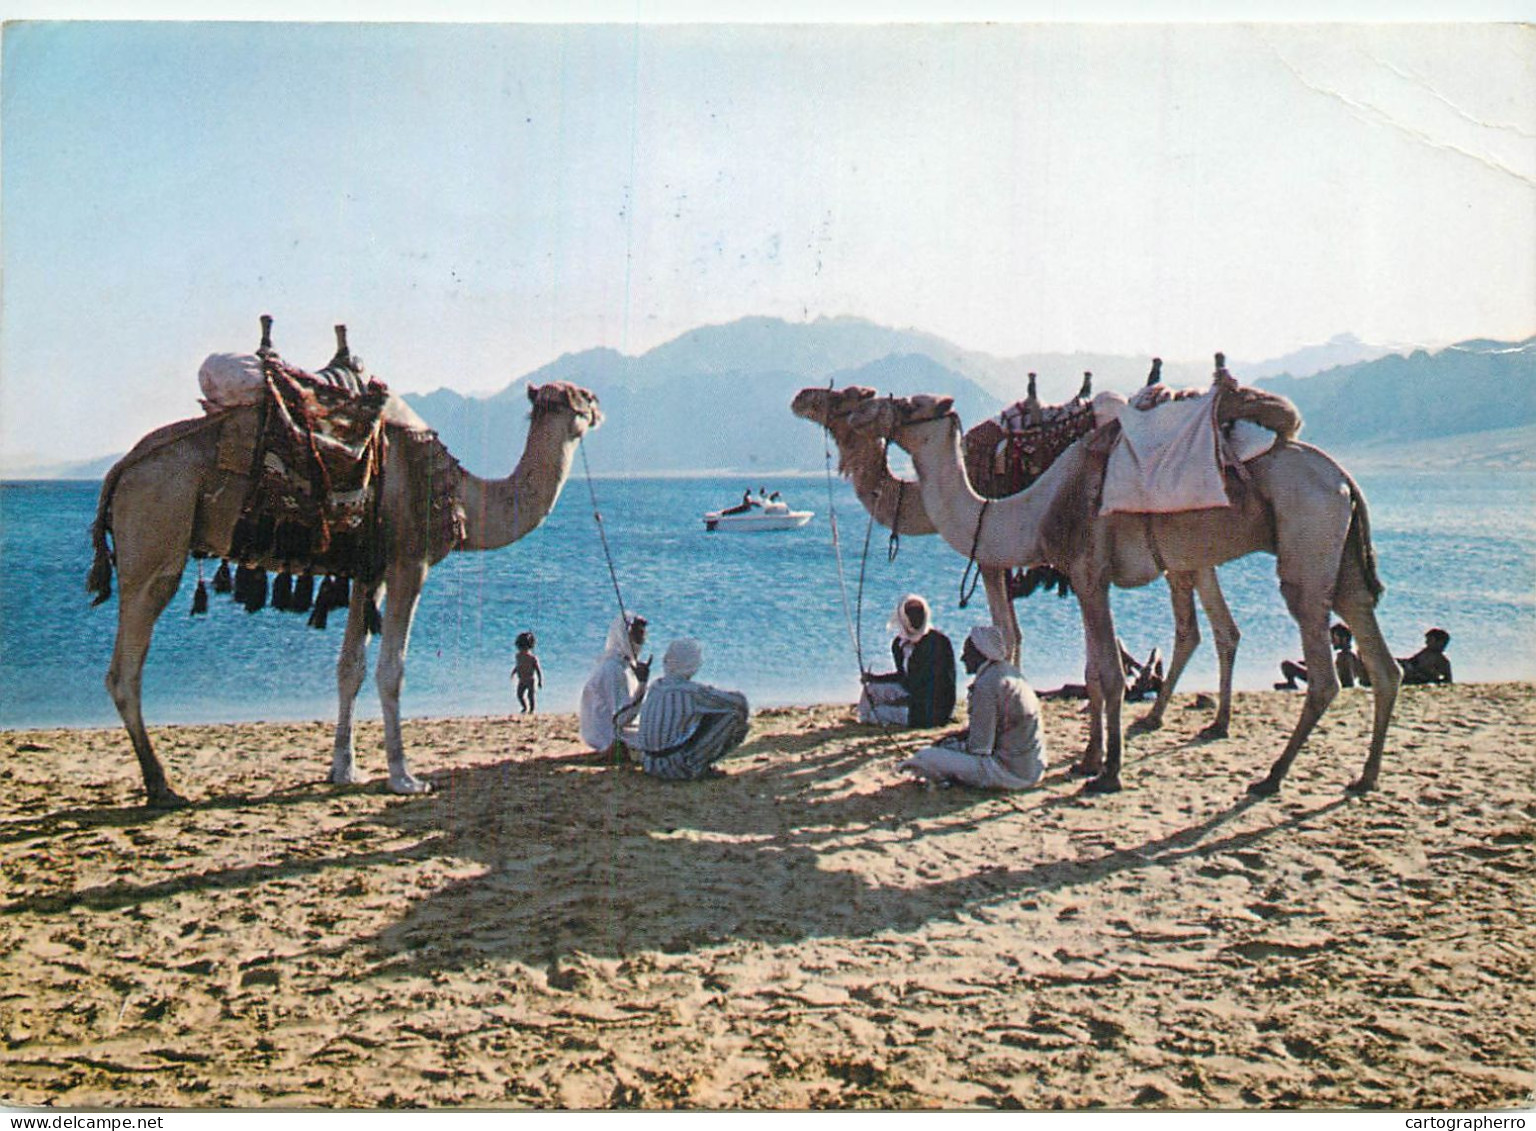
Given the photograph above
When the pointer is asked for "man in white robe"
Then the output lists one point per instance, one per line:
(610, 701)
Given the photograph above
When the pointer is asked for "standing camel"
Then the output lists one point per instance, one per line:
(1296, 503)
(898, 505)
(154, 505)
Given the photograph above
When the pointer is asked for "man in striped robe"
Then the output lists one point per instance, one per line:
(686, 727)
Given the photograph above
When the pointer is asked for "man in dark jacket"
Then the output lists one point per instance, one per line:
(921, 691)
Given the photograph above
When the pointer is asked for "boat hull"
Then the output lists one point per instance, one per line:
(745, 523)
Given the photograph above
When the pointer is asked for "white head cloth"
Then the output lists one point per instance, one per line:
(683, 658)
(988, 641)
(902, 626)
(619, 644)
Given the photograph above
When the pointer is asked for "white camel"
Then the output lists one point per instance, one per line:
(155, 508)
(1296, 503)
(897, 504)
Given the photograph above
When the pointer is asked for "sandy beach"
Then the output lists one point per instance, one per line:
(811, 931)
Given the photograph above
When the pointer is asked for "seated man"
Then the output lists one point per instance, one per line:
(1430, 663)
(611, 697)
(1004, 747)
(1347, 663)
(921, 691)
(685, 727)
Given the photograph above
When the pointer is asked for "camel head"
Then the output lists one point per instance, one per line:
(572, 401)
(902, 420)
(828, 407)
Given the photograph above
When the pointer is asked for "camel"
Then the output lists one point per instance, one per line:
(154, 505)
(1294, 502)
(897, 505)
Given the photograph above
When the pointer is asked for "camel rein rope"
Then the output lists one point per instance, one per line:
(967, 581)
(597, 516)
(837, 549)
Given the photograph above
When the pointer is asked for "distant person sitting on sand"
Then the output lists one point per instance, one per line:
(1430, 663)
(610, 701)
(527, 672)
(1004, 745)
(686, 727)
(921, 691)
(1141, 679)
(1346, 662)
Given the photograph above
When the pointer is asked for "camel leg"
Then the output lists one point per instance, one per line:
(1311, 615)
(1091, 764)
(140, 603)
(1186, 638)
(1104, 662)
(1224, 630)
(1001, 605)
(351, 666)
(405, 580)
(1357, 608)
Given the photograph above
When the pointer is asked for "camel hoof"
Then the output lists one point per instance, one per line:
(1146, 722)
(1085, 770)
(1266, 787)
(1104, 783)
(167, 799)
(1212, 732)
(1360, 785)
(409, 786)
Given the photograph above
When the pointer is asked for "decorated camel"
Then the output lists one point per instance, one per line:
(898, 505)
(1294, 502)
(158, 506)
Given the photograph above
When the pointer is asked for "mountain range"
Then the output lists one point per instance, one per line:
(717, 398)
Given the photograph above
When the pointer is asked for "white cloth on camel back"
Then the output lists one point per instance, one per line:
(685, 727)
(1169, 458)
(611, 698)
(1004, 746)
(235, 380)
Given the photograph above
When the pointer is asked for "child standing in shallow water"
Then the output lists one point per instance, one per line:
(526, 671)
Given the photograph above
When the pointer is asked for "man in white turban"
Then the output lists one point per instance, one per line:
(921, 691)
(613, 692)
(686, 727)
(1004, 747)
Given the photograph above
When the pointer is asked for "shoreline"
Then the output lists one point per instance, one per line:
(811, 931)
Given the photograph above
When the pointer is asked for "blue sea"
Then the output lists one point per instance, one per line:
(784, 616)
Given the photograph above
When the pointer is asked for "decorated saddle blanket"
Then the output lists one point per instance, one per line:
(1007, 454)
(316, 456)
(1171, 456)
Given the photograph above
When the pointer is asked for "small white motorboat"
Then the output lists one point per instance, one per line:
(757, 515)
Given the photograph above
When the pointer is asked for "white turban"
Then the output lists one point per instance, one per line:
(987, 640)
(683, 657)
(902, 625)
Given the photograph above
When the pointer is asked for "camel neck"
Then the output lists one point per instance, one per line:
(996, 533)
(498, 512)
(894, 503)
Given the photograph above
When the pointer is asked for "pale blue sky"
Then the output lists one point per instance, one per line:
(476, 199)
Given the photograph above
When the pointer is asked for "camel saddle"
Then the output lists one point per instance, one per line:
(311, 456)
(1173, 451)
(1006, 454)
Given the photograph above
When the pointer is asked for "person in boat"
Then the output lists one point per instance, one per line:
(685, 726)
(746, 504)
(1429, 664)
(1004, 745)
(1346, 662)
(921, 691)
(614, 692)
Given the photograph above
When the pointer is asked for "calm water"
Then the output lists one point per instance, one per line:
(1457, 549)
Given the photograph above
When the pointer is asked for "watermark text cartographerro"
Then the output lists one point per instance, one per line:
(1464, 1122)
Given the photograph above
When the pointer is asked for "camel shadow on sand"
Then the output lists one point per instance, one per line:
(580, 857)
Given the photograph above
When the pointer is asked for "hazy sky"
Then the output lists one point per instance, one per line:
(474, 200)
